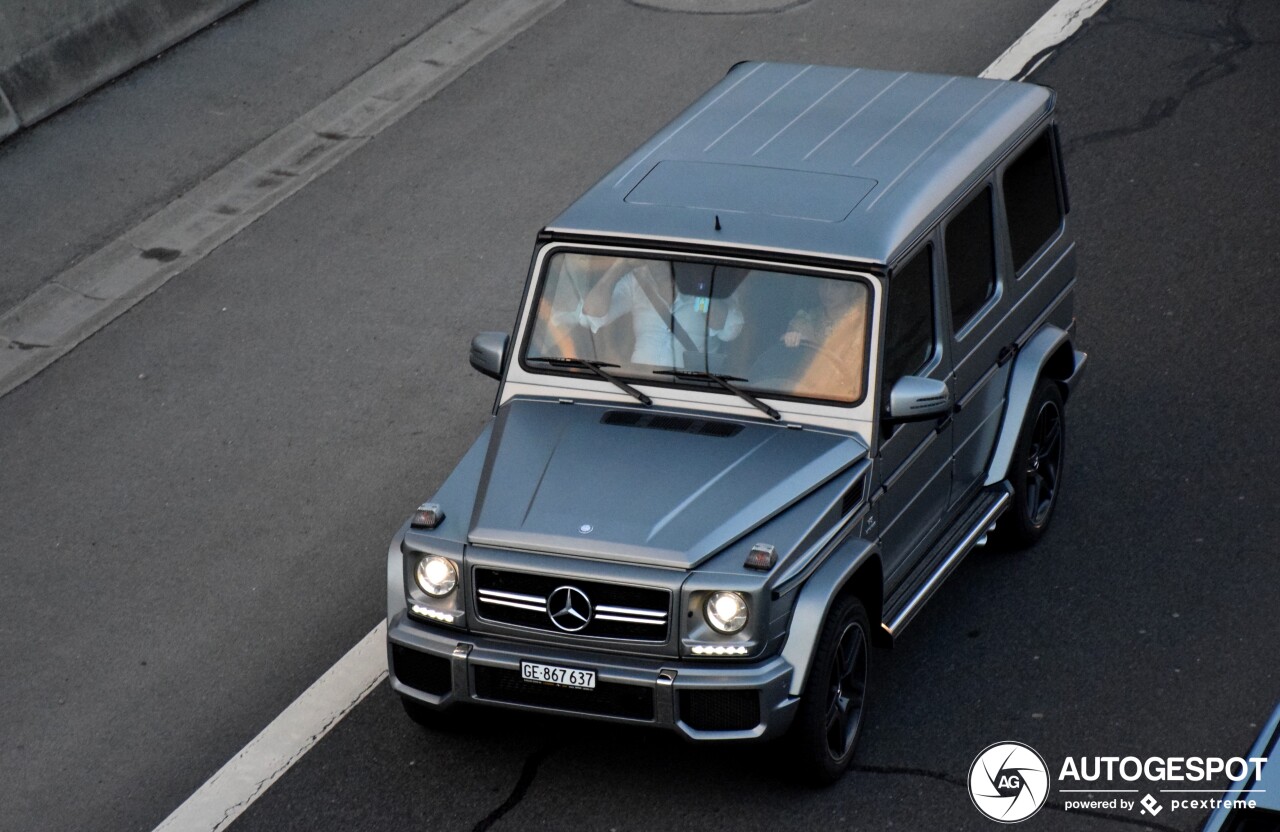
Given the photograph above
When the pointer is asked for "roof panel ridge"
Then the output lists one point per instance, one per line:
(948, 82)
(856, 113)
(807, 110)
(756, 108)
(937, 141)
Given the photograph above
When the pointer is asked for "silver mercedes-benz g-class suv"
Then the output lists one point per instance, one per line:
(772, 378)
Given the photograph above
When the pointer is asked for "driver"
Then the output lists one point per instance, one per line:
(833, 332)
(840, 314)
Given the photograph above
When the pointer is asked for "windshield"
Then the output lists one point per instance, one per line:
(776, 333)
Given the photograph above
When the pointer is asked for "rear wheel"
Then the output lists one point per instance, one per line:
(1035, 472)
(828, 721)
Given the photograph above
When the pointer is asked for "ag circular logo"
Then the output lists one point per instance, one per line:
(1008, 782)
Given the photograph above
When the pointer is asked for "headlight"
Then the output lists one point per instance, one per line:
(436, 575)
(726, 612)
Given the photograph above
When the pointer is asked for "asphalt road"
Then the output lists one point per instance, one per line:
(197, 500)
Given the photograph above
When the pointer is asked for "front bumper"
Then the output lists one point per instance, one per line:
(701, 700)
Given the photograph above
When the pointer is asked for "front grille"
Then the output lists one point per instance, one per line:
(720, 710)
(610, 610)
(608, 698)
(430, 674)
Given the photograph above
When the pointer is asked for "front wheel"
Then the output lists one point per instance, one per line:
(1035, 472)
(828, 721)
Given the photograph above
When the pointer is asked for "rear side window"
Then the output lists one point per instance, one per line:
(909, 329)
(1032, 200)
(971, 261)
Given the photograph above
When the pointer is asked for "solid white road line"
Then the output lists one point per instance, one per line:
(1059, 23)
(95, 291)
(282, 743)
(270, 754)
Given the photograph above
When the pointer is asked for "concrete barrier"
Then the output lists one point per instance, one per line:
(54, 51)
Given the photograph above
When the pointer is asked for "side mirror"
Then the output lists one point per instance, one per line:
(487, 351)
(914, 399)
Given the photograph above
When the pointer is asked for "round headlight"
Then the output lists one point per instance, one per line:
(726, 612)
(436, 575)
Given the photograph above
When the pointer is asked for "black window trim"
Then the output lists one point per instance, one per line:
(992, 300)
(1063, 202)
(934, 358)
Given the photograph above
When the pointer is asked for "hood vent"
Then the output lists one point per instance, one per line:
(679, 424)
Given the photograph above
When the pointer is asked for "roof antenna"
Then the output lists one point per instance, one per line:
(717, 222)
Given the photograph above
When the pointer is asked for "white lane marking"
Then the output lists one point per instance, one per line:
(1059, 23)
(87, 296)
(282, 743)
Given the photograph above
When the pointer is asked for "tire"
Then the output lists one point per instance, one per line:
(828, 722)
(1035, 472)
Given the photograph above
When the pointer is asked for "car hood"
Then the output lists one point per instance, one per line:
(641, 486)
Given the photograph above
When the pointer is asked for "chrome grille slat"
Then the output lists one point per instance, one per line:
(513, 596)
(633, 611)
(515, 604)
(630, 620)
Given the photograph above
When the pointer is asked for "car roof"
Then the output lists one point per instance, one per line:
(825, 161)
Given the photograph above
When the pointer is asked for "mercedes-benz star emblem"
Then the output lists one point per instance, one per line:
(569, 608)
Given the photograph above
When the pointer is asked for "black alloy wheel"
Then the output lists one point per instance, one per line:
(828, 721)
(846, 691)
(1036, 470)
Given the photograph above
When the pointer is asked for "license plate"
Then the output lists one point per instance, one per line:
(549, 674)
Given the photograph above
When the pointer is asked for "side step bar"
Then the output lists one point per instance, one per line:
(901, 615)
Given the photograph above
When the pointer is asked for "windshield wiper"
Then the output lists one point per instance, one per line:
(595, 367)
(725, 382)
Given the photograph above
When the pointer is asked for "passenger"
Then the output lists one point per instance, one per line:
(561, 331)
(675, 322)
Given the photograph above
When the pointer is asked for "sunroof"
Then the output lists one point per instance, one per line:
(747, 189)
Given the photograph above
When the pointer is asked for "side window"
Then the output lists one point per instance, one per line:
(971, 261)
(1032, 200)
(909, 334)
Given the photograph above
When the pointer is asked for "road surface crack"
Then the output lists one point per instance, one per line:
(527, 773)
(943, 777)
(1226, 39)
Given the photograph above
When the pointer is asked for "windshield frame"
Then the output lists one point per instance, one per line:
(852, 272)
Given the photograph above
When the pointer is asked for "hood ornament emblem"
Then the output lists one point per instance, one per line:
(585, 528)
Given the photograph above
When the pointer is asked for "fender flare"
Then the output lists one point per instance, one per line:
(814, 603)
(1024, 378)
